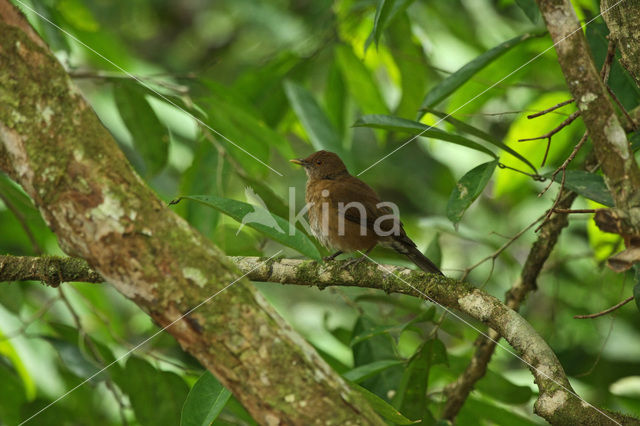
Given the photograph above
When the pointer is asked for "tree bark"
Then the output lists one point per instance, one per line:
(621, 172)
(54, 146)
(557, 401)
(623, 21)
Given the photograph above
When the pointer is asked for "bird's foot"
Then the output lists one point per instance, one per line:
(353, 262)
(332, 257)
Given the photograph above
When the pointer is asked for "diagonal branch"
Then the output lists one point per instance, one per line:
(56, 148)
(621, 172)
(557, 401)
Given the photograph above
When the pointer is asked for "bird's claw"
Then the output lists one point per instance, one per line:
(353, 262)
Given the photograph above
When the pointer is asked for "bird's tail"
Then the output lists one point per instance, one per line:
(420, 260)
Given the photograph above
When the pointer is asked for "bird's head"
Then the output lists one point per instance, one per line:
(322, 165)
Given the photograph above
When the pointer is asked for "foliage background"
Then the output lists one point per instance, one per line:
(271, 76)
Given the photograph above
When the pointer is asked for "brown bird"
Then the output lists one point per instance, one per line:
(345, 214)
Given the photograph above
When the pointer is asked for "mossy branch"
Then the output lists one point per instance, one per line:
(557, 401)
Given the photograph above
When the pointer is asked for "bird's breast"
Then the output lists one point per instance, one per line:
(329, 227)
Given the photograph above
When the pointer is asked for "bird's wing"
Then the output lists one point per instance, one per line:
(352, 190)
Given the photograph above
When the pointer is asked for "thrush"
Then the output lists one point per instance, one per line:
(346, 215)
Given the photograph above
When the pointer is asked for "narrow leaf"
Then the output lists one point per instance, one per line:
(205, 402)
(383, 408)
(398, 124)
(468, 188)
(411, 397)
(364, 372)
(150, 136)
(361, 83)
(462, 75)
(260, 219)
(371, 332)
(314, 120)
(467, 128)
(589, 185)
(156, 396)
(386, 12)
(530, 8)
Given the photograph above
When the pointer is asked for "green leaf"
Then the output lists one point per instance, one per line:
(634, 139)
(467, 128)
(411, 397)
(314, 120)
(76, 353)
(205, 401)
(386, 12)
(150, 136)
(371, 332)
(260, 219)
(589, 185)
(468, 188)
(398, 124)
(462, 75)
(362, 86)
(383, 408)
(366, 371)
(495, 414)
(383, 11)
(497, 387)
(12, 395)
(240, 122)
(530, 8)
(379, 346)
(156, 396)
(414, 73)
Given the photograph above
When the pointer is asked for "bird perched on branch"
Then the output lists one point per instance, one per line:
(346, 215)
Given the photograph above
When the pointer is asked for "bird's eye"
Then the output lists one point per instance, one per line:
(318, 162)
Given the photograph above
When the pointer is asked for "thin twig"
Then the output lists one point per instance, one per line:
(548, 135)
(502, 248)
(548, 110)
(606, 66)
(606, 311)
(633, 124)
(564, 165)
(570, 211)
(533, 176)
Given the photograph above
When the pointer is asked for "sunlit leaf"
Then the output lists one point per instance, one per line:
(260, 219)
(467, 128)
(398, 124)
(205, 402)
(462, 75)
(467, 189)
(360, 81)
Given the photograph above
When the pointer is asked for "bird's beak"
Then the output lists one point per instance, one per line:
(298, 162)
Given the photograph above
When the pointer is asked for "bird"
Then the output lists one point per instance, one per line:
(346, 214)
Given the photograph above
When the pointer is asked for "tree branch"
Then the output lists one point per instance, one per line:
(458, 391)
(557, 401)
(598, 114)
(56, 148)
